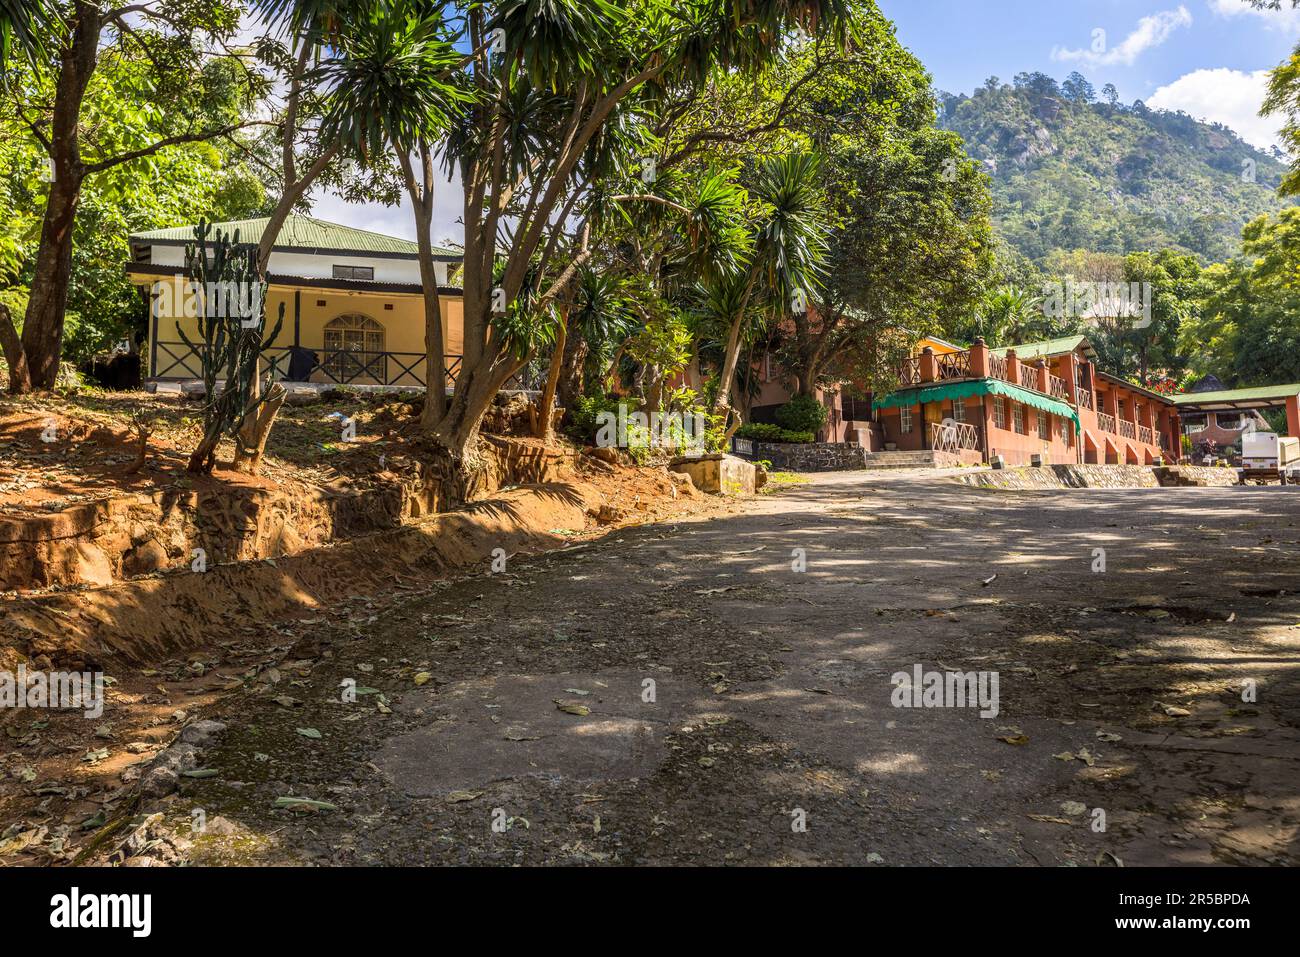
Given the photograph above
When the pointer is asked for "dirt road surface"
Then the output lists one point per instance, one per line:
(685, 694)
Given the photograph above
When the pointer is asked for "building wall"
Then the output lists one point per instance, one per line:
(317, 266)
(1015, 447)
(400, 315)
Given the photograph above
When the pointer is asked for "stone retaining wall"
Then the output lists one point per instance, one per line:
(1099, 476)
(811, 457)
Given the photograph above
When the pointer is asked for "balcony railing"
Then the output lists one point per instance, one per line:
(909, 371)
(1058, 388)
(954, 365)
(953, 436)
(1083, 398)
(1127, 429)
(1145, 435)
(998, 367)
(1106, 422)
(176, 360)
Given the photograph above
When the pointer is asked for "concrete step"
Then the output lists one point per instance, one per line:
(900, 460)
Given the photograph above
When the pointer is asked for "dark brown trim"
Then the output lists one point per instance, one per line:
(349, 285)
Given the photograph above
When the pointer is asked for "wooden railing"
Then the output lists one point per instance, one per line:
(1145, 435)
(1127, 429)
(176, 360)
(1106, 422)
(953, 436)
(1083, 397)
(1058, 388)
(954, 365)
(998, 366)
(909, 371)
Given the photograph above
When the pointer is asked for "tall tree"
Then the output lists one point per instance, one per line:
(525, 187)
(168, 35)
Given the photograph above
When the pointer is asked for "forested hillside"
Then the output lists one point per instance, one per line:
(1071, 170)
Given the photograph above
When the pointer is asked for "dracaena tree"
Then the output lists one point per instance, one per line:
(785, 272)
(546, 80)
(26, 29)
(364, 80)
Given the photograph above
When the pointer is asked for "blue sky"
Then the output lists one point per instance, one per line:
(1206, 57)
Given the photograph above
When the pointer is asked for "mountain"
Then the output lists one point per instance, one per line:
(1071, 173)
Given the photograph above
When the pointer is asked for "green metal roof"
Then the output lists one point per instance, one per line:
(302, 232)
(969, 387)
(1048, 347)
(1263, 392)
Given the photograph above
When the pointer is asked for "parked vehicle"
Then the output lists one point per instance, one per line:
(1267, 456)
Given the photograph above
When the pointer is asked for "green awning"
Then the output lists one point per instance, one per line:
(972, 387)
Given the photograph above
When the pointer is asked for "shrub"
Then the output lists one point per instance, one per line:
(803, 413)
(585, 413)
(766, 432)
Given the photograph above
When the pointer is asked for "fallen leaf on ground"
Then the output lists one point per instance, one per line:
(460, 797)
(305, 804)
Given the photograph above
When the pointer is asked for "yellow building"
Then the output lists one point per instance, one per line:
(353, 304)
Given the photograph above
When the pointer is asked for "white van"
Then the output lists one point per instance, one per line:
(1267, 455)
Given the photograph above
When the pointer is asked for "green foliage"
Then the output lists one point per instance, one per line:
(1246, 331)
(128, 105)
(586, 411)
(766, 432)
(803, 413)
(231, 298)
(1072, 174)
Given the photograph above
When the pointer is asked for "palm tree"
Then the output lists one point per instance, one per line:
(26, 27)
(790, 248)
(1010, 316)
(380, 77)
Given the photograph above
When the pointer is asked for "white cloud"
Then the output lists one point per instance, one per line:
(397, 220)
(1150, 32)
(1287, 18)
(1230, 97)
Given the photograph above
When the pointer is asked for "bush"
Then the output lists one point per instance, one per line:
(585, 412)
(803, 413)
(766, 432)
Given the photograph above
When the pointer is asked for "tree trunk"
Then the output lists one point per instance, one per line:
(435, 349)
(15, 357)
(545, 426)
(454, 466)
(205, 454)
(255, 429)
(569, 389)
(42, 339)
(731, 357)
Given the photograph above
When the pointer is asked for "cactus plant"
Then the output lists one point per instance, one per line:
(230, 309)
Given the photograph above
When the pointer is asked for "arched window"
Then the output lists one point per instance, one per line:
(354, 349)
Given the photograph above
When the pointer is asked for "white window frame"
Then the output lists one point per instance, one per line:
(905, 419)
(959, 410)
(1000, 411)
(1018, 418)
